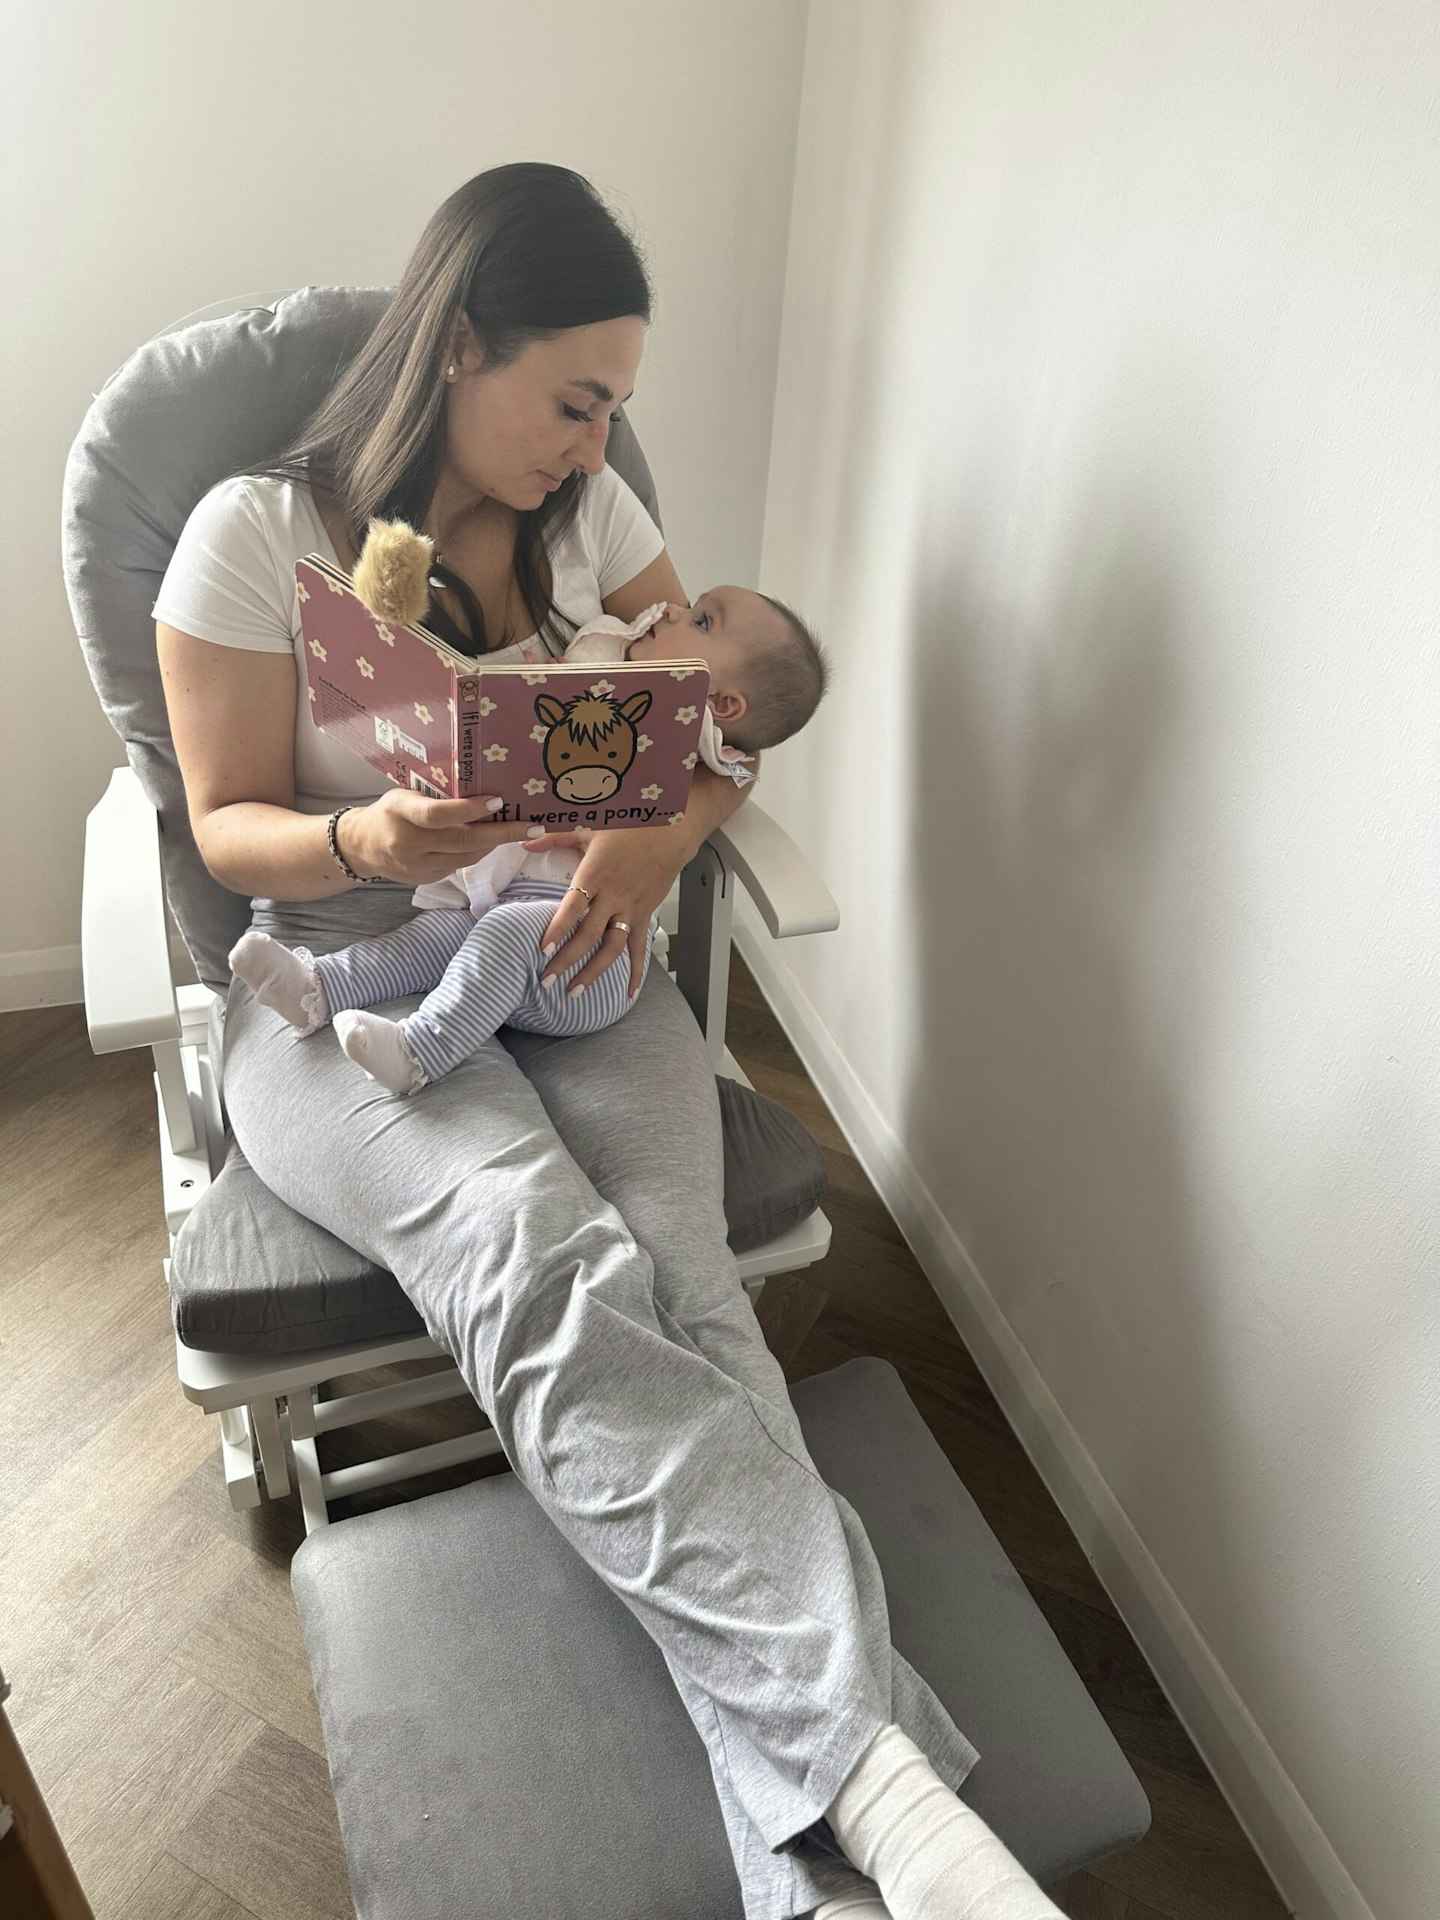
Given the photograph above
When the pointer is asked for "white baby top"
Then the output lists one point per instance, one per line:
(231, 580)
(603, 640)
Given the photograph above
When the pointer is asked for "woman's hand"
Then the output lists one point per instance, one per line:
(405, 836)
(627, 874)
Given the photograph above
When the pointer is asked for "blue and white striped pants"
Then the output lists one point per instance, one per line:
(482, 974)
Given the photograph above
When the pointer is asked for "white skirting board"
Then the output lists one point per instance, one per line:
(1264, 1799)
(50, 976)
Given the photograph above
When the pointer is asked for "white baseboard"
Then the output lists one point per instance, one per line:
(51, 977)
(1263, 1797)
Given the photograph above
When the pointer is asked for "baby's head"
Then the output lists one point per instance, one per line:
(767, 670)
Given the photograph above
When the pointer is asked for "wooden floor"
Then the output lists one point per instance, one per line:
(160, 1687)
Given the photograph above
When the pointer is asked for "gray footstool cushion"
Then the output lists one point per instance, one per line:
(505, 1741)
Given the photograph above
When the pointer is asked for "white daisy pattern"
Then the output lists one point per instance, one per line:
(533, 787)
(686, 714)
(367, 672)
(422, 713)
(534, 679)
(601, 688)
(497, 752)
(439, 776)
(652, 792)
(450, 707)
(689, 762)
(642, 741)
(318, 651)
(682, 673)
(302, 592)
(538, 733)
(485, 704)
(333, 585)
(384, 632)
(676, 818)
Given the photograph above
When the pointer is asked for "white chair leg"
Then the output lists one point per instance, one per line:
(300, 1419)
(237, 1456)
(265, 1425)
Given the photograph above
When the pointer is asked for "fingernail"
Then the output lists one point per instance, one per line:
(575, 991)
(545, 953)
(493, 805)
(533, 833)
(550, 981)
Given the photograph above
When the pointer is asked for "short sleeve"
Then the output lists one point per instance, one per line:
(621, 536)
(224, 583)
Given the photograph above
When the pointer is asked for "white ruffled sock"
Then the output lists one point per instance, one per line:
(378, 1045)
(932, 1857)
(282, 979)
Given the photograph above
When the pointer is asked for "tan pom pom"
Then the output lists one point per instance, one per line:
(393, 572)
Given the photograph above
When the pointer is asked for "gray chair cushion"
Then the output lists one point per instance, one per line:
(250, 1275)
(183, 412)
(505, 1741)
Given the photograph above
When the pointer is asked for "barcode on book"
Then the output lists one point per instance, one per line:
(424, 786)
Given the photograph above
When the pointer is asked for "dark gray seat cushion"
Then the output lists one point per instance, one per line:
(250, 1275)
(505, 1741)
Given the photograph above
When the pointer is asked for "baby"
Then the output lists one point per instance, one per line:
(474, 950)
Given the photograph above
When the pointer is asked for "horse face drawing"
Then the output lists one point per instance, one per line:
(590, 744)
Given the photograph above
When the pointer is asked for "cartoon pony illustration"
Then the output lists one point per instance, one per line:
(590, 743)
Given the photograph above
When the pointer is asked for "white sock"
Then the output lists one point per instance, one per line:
(377, 1045)
(281, 979)
(932, 1857)
(853, 1906)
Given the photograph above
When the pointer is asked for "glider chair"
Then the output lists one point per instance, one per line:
(268, 1308)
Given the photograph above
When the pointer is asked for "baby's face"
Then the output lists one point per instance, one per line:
(721, 629)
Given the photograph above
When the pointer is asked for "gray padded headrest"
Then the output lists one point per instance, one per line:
(184, 411)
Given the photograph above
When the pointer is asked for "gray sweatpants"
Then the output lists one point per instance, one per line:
(554, 1209)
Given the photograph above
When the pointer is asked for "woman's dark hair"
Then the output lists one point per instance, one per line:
(525, 251)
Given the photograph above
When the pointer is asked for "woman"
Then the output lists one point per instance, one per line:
(553, 1210)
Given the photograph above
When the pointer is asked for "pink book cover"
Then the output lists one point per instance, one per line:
(586, 746)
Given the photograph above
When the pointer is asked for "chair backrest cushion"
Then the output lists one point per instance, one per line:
(185, 411)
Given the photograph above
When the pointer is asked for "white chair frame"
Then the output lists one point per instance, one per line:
(271, 1407)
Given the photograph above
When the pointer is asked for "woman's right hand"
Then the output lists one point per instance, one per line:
(407, 837)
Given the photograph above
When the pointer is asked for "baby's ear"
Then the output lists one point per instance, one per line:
(728, 707)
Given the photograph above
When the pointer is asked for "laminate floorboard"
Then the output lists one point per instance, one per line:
(161, 1689)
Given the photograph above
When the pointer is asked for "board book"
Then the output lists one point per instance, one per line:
(599, 745)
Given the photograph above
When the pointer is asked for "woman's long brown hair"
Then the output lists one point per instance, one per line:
(525, 251)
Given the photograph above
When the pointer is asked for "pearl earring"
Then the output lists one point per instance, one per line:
(450, 371)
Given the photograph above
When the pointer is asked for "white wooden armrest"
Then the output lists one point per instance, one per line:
(124, 946)
(756, 851)
(791, 896)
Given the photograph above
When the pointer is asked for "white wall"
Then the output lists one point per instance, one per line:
(1105, 455)
(165, 156)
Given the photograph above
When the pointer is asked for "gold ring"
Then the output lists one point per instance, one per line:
(575, 888)
(620, 926)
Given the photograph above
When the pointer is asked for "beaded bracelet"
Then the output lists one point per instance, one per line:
(360, 879)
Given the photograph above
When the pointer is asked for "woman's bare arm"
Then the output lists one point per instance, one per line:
(232, 717)
(658, 581)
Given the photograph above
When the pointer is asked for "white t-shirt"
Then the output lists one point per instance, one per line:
(231, 580)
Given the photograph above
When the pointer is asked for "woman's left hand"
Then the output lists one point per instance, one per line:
(627, 873)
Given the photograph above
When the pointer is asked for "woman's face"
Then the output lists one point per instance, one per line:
(514, 433)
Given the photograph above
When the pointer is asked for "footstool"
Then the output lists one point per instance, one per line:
(505, 1742)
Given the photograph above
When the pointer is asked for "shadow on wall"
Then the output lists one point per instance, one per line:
(1052, 976)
